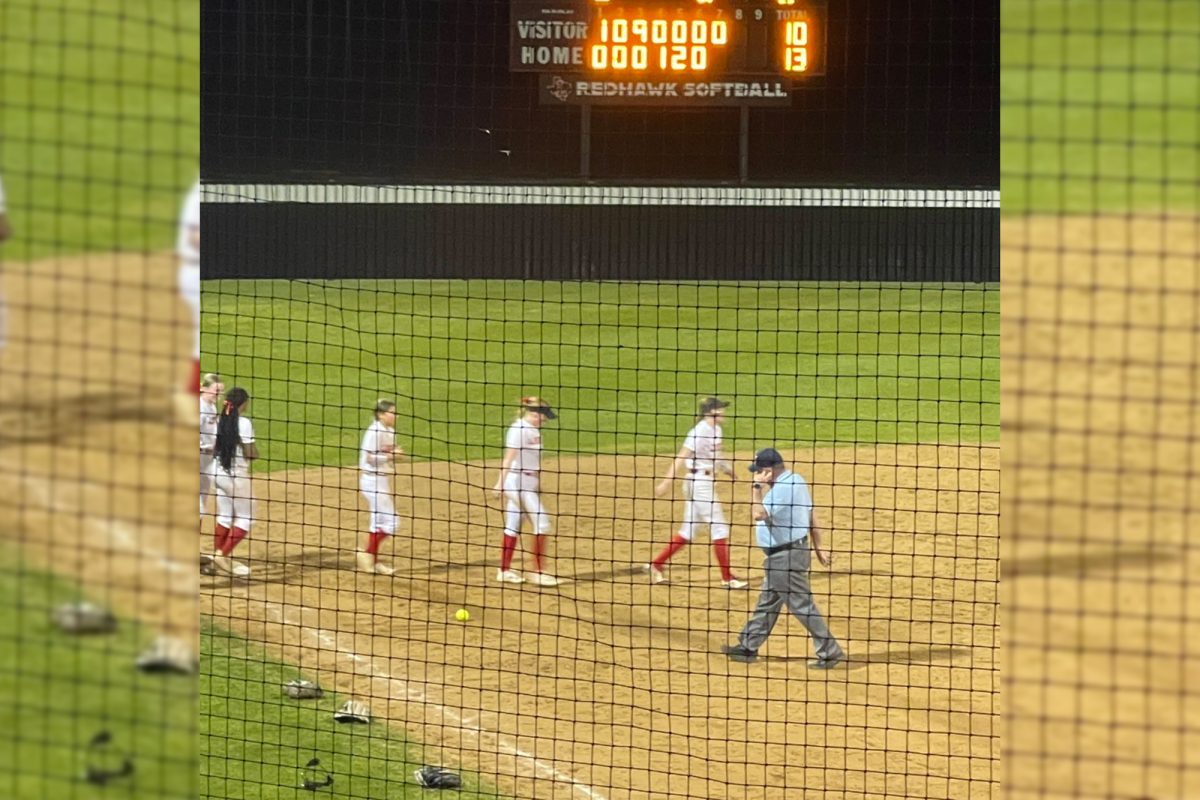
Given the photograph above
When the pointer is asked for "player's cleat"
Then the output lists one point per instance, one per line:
(383, 569)
(365, 561)
(735, 583)
(542, 579)
(207, 567)
(738, 653)
(509, 576)
(168, 654)
(656, 574)
(226, 565)
(827, 663)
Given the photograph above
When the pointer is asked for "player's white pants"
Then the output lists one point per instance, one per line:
(375, 488)
(189, 289)
(702, 508)
(206, 479)
(521, 491)
(235, 503)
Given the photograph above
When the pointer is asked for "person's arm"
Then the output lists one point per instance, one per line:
(677, 464)
(758, 507)
(246, 432)
(510, 455)
(816, 535)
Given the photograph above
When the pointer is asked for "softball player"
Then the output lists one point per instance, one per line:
(210, 389)
(233, 450)
(518, 481)
(702, 458)
(188, 250)
(376, 457)
(5, 229)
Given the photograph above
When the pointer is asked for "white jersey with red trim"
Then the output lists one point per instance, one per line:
(527, 441)
(704, 440)
(187, 245)
(374, 455)
(209, 416)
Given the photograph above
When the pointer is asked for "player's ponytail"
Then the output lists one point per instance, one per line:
(228, 438)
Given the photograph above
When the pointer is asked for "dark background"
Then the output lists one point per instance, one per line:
(405, 90)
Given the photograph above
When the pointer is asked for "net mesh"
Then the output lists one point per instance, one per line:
(373, 239)
(98, 625)
(1100, 111)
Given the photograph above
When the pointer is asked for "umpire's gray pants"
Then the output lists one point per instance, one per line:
(787, 582)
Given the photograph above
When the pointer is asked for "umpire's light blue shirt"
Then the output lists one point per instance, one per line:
(789, 512)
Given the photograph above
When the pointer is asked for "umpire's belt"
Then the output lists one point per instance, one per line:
(780, 548)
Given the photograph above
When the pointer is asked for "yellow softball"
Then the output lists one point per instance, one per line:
(462, 615)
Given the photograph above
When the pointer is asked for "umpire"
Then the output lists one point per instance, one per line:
(783, 509)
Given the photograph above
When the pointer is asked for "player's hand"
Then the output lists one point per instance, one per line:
(824, 557)
(497, 490)
(397, 452)
(662, 488)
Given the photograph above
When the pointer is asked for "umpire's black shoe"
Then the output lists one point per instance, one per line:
(827, 663)
(738, 653)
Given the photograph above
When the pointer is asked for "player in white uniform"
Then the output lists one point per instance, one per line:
(519, 481)
(210, 389)
(701, 457)
(5, 228)
(376, 458)
(233, 451)
(187, 247)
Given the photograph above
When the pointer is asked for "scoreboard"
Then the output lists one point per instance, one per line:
(669, 52)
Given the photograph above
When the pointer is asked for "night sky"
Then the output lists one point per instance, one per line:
(404, 90)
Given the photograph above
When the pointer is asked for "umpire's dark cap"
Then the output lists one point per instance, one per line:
(765, 459)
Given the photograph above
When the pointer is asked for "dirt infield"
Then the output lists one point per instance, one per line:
(93, 468)
(1101, 337)
(607, 687)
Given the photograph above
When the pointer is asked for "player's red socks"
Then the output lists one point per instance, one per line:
(506, 551)
(671, 549)
(220, 534)
(374, 540)
(721, 549)
(195, 376)
(539, 550)
(233, 540)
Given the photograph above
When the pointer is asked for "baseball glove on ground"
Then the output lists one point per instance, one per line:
(353, 711)
(84, 618)
(437, 778)
(302, 690)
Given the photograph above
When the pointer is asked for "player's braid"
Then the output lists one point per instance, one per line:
(228, 437)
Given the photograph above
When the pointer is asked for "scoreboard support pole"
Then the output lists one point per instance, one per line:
(585, 141)
(743, 144)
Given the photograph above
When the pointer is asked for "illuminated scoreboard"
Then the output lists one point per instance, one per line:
(670, 52)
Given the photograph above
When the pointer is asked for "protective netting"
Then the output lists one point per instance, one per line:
(1101, 112)
(99, 123)
(400, 255)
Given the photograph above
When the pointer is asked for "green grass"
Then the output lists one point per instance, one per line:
(256, 740)
(100, 109)
(625, 363)
(60, 690)
(1100, 105)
